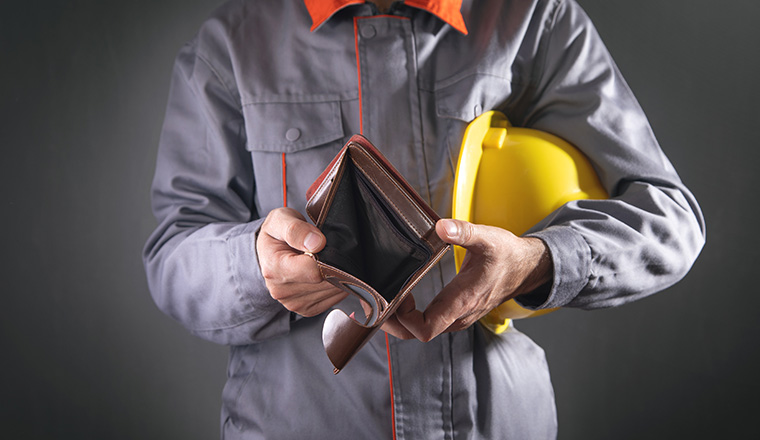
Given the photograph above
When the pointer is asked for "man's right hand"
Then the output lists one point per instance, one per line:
(292, 276)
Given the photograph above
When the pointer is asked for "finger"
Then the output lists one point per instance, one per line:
(316, 307)
(415, 322)
(289, 226)
(454, 308)
(428, 324)
(395, 328)
(461, 323)
(465, 234)
(281, 265)
(303, 292)
(312, 303)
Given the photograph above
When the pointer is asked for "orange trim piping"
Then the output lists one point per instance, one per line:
(358, 73)
(390, 379)
(284, 182)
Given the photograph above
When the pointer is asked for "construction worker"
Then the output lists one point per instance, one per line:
(262, 99)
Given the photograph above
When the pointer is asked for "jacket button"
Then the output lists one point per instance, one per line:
(292, 134)
(368, 31)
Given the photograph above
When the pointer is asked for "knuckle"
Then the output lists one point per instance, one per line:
(281, 212)
(267, 271)
(467, 232)
(290, 230)
(280, 220)
(313, 277)
(293, 232)
(266, 222)
(278, 295)
(272, 218)
(461, 324)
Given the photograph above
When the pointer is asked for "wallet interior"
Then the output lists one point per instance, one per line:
(367, 238)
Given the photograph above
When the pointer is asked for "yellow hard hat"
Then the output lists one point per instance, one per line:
(512, 178)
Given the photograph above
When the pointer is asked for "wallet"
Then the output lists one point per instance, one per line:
(381, 241)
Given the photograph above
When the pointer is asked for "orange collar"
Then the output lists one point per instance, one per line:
(446, 10)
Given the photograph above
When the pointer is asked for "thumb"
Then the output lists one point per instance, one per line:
(288, 225)
(461, 233)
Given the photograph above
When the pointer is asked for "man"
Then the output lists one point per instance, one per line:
(263, 98)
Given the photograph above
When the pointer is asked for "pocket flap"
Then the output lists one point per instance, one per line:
(287, 127)
(467, 98)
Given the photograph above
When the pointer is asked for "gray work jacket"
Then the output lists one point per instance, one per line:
(259, 105)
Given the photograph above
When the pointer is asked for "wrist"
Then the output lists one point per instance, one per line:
(538, 263)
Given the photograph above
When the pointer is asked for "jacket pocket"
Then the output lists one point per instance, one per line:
(468, 97)
(288, 127)
(460, 100)
(290, 144)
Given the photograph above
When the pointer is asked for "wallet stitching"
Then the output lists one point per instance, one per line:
(325, 186)
(388, 198)
(319, 266)
(331, 190)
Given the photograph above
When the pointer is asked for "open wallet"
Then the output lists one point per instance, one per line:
(381, 241)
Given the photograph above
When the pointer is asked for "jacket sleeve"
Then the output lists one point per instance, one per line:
(201, 260)
(648, 234)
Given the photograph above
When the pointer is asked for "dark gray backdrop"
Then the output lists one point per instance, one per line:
(85, 354)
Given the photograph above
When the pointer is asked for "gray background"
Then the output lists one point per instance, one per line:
(85, 354)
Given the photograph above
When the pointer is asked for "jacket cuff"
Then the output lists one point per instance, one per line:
(246, 270)
(571, 257)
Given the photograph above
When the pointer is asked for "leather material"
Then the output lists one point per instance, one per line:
(381, 241)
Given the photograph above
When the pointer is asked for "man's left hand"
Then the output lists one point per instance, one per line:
(497, 267)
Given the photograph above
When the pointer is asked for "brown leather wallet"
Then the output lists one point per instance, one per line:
(381, 241)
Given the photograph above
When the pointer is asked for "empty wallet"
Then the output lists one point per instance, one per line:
(381, 241)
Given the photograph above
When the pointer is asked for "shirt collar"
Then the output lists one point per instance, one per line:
(446, 10)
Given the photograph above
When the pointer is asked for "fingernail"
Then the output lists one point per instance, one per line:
(311, 242)
(451, 228)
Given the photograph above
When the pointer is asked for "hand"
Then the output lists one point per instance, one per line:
(291, 276)
(498, 266)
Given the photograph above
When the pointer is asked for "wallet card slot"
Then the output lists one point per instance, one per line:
(340, 226)
(366, 240)
(396, 256)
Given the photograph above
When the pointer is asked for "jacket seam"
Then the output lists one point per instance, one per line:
(218, 77)
(545, 43)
